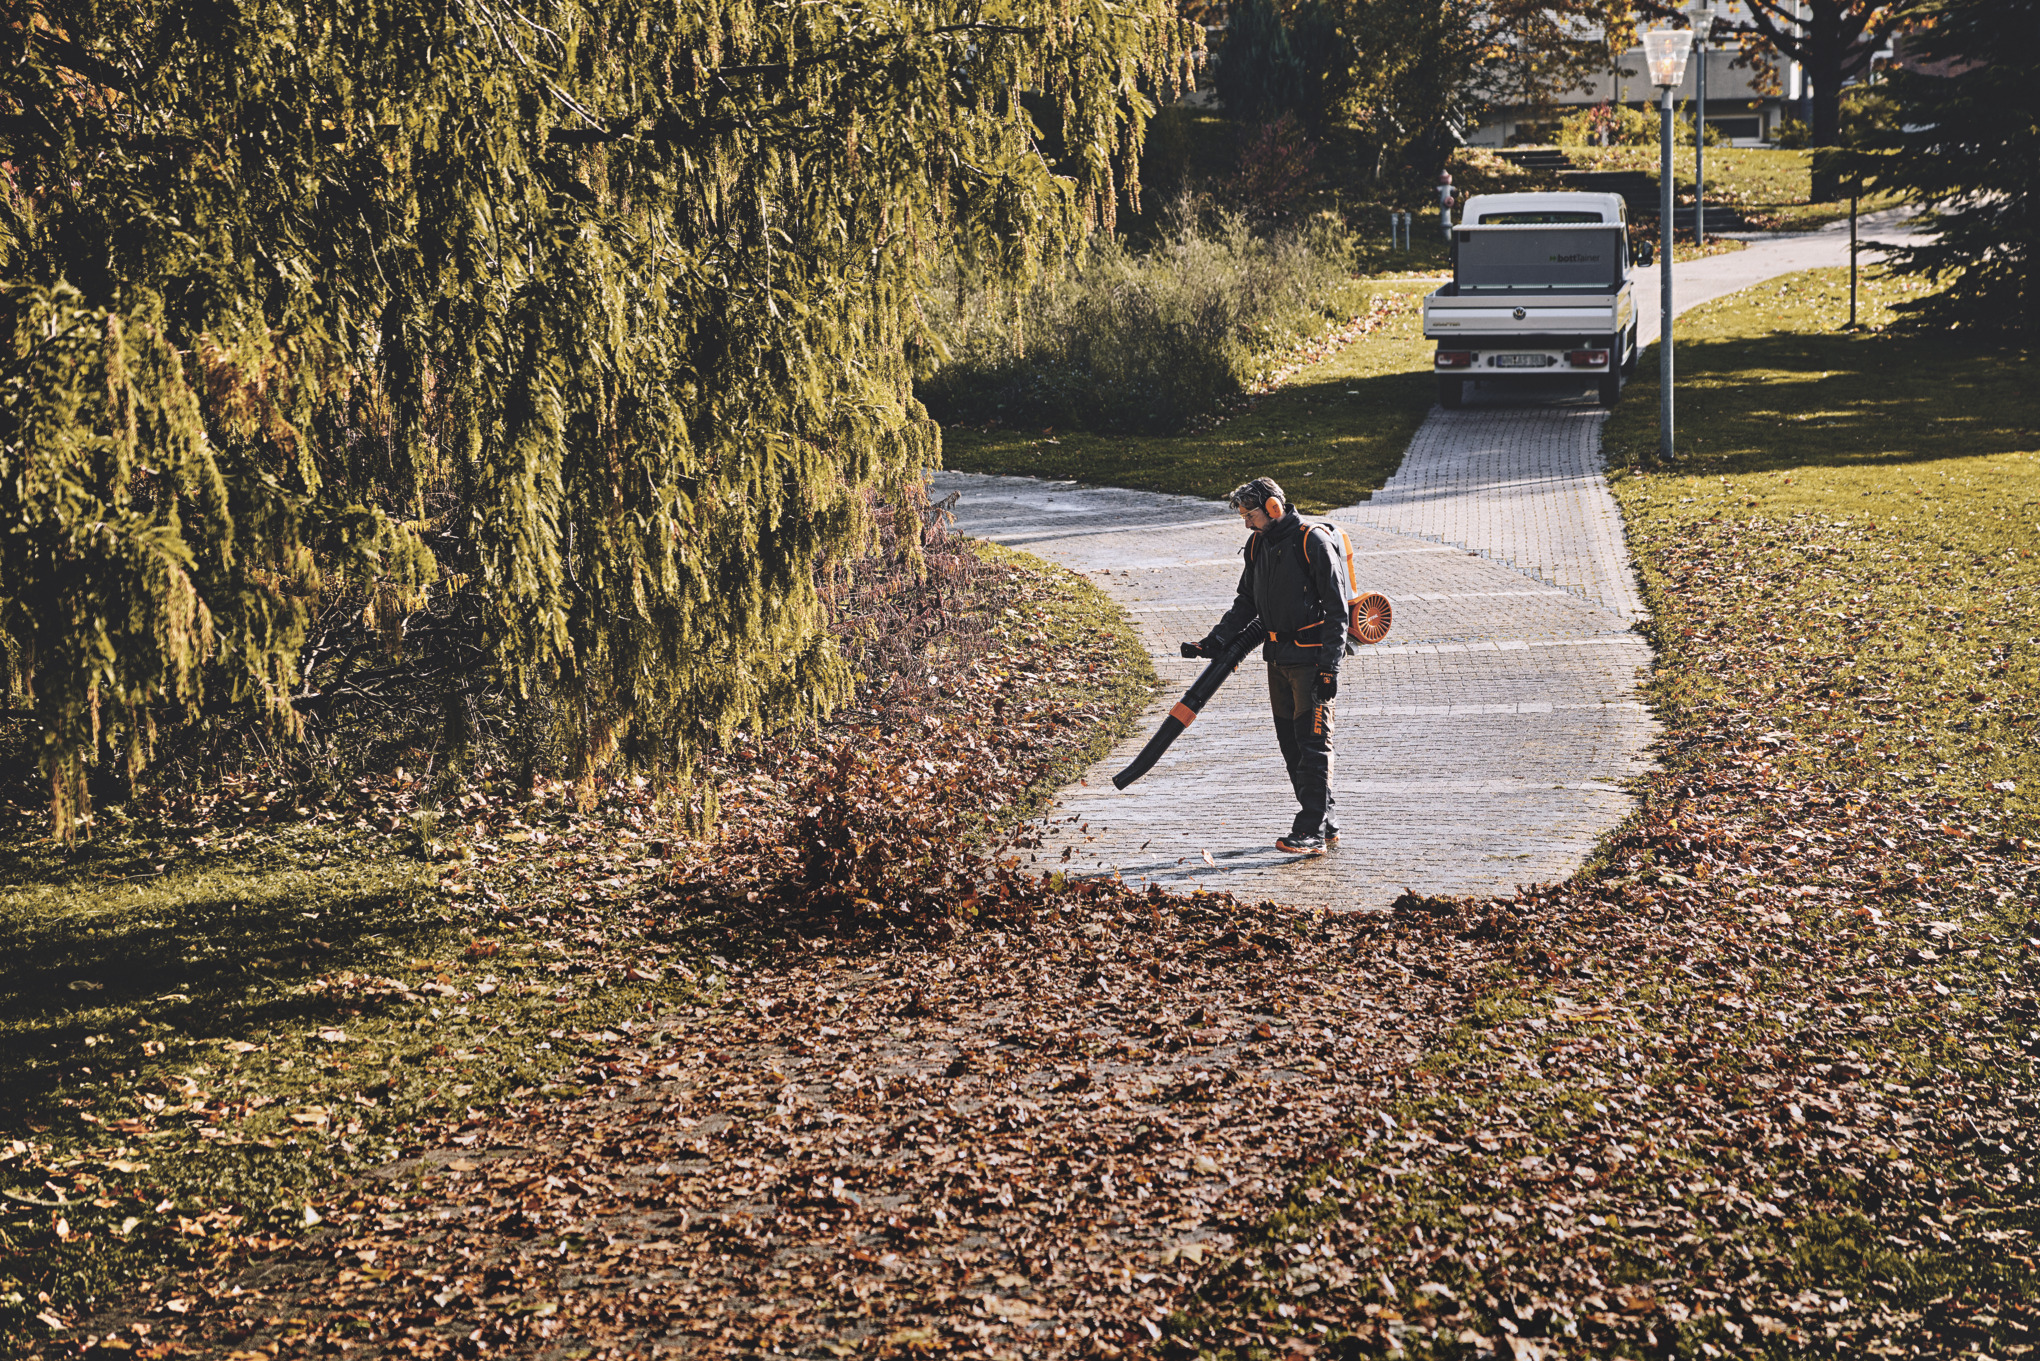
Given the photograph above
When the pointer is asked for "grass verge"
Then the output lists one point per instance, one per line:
(1771, 188)
(1331, 433)
(1877, 493)
(1761, 1081)
(211, 1017)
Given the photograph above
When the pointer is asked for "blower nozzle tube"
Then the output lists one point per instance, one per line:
(1193, 702)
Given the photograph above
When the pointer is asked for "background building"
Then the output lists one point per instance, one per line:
(1748, 95)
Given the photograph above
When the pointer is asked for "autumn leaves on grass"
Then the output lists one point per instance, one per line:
(270, 998)
(1758, 1081)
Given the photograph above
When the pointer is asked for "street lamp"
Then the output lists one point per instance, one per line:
(1664, 52)
(1702, 15)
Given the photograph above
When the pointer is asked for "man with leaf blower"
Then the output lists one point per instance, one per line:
(1293, 583)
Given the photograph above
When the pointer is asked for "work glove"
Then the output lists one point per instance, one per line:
(1327, 684)
(1207, 648)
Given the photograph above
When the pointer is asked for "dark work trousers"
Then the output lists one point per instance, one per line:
(1303, 727)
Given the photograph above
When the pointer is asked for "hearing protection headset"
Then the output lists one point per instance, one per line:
(1262, 493)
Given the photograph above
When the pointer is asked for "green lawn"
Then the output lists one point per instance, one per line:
(1331, 434)
(1895, 484)
(1772, 188)
(204, 1025)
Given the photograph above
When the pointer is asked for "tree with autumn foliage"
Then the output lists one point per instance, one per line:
(1832, 40)
(378, 352)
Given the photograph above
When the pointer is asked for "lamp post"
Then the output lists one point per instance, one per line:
(1702, 13)
(1664, 52)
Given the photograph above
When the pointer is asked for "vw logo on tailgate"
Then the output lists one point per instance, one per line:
(1519, 314)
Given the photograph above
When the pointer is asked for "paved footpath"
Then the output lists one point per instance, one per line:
(1485, 744)
(1480, 746)
(1768, 255)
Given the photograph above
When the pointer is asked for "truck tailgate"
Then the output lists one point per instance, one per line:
(1525, 314)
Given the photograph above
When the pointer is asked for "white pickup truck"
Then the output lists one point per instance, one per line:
(1540, 286)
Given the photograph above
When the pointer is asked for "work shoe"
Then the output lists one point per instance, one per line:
(1331, 840)
(1293, 844)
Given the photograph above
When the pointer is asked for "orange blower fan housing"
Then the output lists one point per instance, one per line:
(1371, 617)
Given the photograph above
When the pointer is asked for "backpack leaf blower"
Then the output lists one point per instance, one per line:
(1368, 623)
(1194, 699)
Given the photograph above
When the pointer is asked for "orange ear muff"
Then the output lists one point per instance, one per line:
(1273, 508)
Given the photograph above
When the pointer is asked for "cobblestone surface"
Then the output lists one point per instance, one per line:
(1520, 486)
(1482, 745)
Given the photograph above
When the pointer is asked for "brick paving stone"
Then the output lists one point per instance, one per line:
(1483, 744)
(1521, 485)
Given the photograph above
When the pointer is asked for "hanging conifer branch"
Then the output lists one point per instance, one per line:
(591, 314)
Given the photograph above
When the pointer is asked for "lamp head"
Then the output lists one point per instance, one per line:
(1665, 51)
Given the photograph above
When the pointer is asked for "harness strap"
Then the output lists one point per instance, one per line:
(1290, 636)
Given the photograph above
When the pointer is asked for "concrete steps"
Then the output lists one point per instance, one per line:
(1541, 159)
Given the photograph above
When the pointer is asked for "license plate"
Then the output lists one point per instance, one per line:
(1522, 361)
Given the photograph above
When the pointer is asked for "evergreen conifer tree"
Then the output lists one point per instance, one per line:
(585, 322)
(1965, 146)
(1259, 75)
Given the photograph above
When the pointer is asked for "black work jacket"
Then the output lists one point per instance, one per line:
(1291, 580)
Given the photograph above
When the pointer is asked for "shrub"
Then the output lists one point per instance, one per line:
(1625, 126)
(1277, 170)
(1622, 126)
(1121, 342)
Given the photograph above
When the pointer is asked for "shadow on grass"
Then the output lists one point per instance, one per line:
(1329, 438)
(1777, 402)
(104, 964)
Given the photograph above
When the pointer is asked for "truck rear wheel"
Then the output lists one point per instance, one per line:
(1451, 393)
(1627, 344)
(1611, 388)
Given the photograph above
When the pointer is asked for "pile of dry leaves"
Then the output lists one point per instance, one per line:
(1036, 1138)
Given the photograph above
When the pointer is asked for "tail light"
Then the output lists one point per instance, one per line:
(1587, 359)
(1455, 359)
